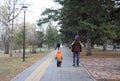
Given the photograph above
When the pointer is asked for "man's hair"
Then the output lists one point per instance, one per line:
(77, 36)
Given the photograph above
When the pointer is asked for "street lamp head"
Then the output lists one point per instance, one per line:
(24, 7)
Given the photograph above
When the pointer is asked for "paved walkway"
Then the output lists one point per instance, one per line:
(46, 70)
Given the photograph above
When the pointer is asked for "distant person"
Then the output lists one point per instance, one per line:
(114, 46)
(76, 49)
(58, 46)
(55, 46)
(59, 58)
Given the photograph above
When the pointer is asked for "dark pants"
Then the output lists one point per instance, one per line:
(59, 63)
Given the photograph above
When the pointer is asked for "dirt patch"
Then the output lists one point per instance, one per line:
(103, 65)
(103, 68)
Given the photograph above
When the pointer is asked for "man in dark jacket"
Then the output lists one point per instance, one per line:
(76, 49)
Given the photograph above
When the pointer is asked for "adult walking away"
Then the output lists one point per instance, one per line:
(76, 49)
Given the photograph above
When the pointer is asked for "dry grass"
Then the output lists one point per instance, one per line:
(101, 54)
(11, 66)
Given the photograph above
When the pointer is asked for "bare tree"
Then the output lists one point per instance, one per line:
(10, 9)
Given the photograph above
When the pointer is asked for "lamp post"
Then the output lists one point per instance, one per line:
(24, 9)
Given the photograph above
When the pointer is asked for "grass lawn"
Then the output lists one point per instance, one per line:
(11, 66)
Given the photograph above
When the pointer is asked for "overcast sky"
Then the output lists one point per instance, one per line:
(36, 7)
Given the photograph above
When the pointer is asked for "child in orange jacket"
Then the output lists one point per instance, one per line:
(59, 58)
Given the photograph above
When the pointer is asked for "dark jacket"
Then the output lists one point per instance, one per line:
(76, 46)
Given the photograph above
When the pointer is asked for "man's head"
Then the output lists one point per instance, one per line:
(76, 36)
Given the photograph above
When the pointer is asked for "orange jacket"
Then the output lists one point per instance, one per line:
(58, 55)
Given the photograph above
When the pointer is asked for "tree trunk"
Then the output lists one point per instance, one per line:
(104, 43)
(89, 52)
(11, 47)
(33, 49)
(40, 49)
(6, 47)
(30, 50)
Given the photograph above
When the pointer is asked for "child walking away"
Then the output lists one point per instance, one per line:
(59, 58)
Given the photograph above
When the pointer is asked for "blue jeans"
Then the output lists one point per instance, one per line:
(76, 57)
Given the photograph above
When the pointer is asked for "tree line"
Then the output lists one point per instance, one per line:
(11, 29)
(96, 21)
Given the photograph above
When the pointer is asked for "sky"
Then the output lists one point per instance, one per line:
(36, 7)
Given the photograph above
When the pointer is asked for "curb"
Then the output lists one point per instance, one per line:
(88, 72)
